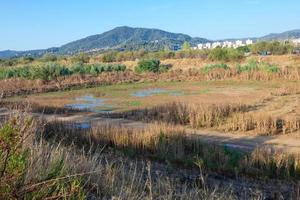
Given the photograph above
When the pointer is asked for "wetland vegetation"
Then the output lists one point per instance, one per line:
(248, 98)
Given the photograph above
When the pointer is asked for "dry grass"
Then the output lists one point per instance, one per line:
(187, 63)
(54, 171)
(81, 163)
(225, 117)
(173, 144)
(13, 87)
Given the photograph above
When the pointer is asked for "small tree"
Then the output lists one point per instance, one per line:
(186, 46)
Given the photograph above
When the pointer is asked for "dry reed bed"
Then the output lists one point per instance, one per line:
(27, 106)
(224, 117)
(11, 87)
(172, 144)
(53, 171)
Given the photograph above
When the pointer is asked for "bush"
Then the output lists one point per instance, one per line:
(209, 68)
(269, 67)
(225, 55)
(150, 65)
(250, 66)
(274, 47)
(50, 71)
(254, 65)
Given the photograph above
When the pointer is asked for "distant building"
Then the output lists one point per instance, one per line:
(208, 45)
(227, 44)
(200, 46)
(216, 44)
(249, 42)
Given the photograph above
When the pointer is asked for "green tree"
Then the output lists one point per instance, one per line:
(186, 46)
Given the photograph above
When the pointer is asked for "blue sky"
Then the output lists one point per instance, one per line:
(34, 24)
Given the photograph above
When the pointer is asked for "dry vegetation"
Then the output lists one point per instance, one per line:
(225, 117)
(55, 162)
(32, 168)
(172, 144)
(41, 160)
(17, 86)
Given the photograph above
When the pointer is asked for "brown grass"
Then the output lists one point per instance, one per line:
(13, 87)
(225, 117)
(172, 144)
(101, 174)
(54, 171)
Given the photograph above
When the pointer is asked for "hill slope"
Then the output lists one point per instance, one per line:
(130, 39)
(127, 38)
(282, 36)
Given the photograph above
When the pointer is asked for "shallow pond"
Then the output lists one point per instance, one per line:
(90, 103)
(148, 92)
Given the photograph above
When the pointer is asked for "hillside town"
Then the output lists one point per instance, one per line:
(224, 44)
(234, 44)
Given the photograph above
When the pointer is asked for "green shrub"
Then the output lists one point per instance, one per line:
(150, 65)
(254, 65)
(269, 67)
(51, 71)
(209, 68)
(250, 66)
(225, 55)
(274, 47)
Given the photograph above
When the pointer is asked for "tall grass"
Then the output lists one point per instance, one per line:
(224, 117)
(33, 168)
(173, 144)
(20, 177)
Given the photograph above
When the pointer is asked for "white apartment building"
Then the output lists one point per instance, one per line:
(227, 44)
(238, 43)
(249, 42)
(216, 44)
(200, 46)
(208, 45)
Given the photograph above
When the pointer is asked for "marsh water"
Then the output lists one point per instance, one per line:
(90, 102)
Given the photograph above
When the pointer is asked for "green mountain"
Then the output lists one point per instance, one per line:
(120, 38)
(282, 36)
(127, 38)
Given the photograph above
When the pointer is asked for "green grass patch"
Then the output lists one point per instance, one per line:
(209, 68)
